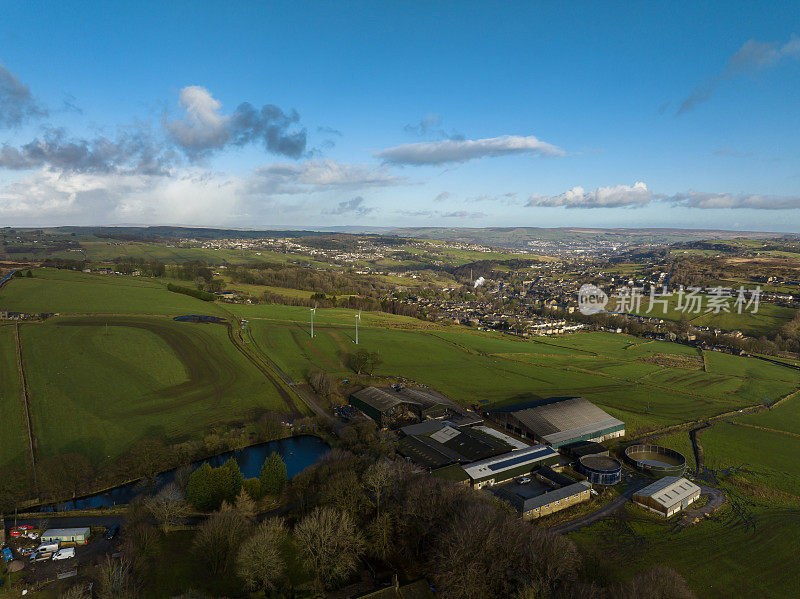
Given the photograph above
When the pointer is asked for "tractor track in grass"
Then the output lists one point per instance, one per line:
(25, 401)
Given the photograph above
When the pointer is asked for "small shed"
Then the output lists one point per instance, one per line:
(67, 535)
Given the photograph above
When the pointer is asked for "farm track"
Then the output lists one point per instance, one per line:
(262, 368)
(25, 402)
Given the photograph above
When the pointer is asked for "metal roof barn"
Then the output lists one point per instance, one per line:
(559, 421)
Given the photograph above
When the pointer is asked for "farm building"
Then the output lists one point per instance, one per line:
(509, 465)
(667, 496)
(389, 406)
(455, 473)
(444, 444)
(532, 503)
(67, 535)
(559, 421)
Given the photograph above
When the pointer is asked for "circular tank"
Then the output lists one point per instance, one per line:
(656, 460)
(600, 469)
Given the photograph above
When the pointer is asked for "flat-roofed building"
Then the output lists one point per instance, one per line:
(667, 496)
(80, 536)
(559, 421)
(510, 465)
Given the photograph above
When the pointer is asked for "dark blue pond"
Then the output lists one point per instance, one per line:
(297, 452)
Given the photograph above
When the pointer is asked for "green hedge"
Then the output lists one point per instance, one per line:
(202, 295)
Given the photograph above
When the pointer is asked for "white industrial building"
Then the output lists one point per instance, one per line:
(667, 496)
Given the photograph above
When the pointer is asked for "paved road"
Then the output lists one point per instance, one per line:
(605, 511)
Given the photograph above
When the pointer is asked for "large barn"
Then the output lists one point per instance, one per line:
(558, 421)
(390, 406)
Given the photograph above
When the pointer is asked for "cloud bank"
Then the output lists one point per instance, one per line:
(448, 151)
(630, 196)
(639, 195)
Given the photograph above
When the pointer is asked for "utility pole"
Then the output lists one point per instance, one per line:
(312, 322)
(358, 317)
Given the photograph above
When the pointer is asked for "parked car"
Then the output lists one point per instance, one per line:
(112, 532)
(524, 480)
(48, 547)
(65, 553)
(41, 556)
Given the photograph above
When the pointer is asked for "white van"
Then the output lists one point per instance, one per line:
(65, 553)
(51, 546)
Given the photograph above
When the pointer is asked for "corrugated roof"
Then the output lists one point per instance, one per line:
(669, 491)
(567, 418)
(384, 398)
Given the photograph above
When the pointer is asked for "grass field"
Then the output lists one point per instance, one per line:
(746, 546)
(768, 319)
(13, 438)
(784, 417)
(97, 390)
(719, 558)
(71, 292)
(767, 459)
(644, 383)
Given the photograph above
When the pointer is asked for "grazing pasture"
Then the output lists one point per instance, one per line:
(13, 436)
(71, 292)
(645, 383)
(98, 385)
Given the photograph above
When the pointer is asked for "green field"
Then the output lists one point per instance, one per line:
(13, 438)
(71, 292)
(643, 383)
(98, 385)
(720, 558)
(768, 319)
(783, 417)
(747, 545)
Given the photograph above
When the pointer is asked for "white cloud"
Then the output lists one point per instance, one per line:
(616, 196)
(203, 127)
(451, 150)
(727, 201)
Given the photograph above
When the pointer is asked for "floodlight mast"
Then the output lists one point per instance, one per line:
(312, 322)
(358, 317)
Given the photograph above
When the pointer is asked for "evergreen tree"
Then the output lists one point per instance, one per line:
(273, 474)
(200, 489)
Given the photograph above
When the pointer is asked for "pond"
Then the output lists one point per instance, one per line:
(297, 452)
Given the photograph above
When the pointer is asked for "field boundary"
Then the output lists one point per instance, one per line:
(24, 397)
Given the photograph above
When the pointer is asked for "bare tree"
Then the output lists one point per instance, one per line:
(218, 539)
(377, 479)
(260, 563)
(245, 506)
(76, 591)
(331, 545)
(168, 506)
(116, 580)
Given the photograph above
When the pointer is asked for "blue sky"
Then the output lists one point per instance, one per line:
(390, 113)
